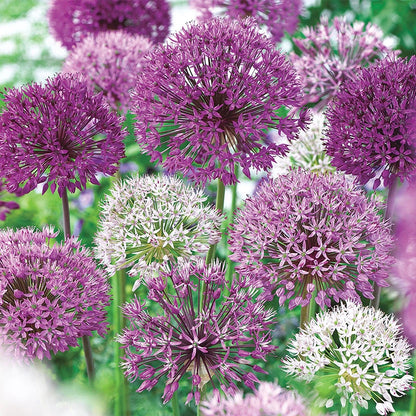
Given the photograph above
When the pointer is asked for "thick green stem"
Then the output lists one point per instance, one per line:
(412, 410)
(304, 315)
(175, 404)
(230, 263)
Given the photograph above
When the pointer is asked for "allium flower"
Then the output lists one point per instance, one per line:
(278, 16)
(150, 220)
(353, 355)
(72, 20)
(331, 54)
(59, 133)
(206, 99)
(304, 232)
(110, 62)
(5, 206)
(368, 132)
(199, 336)
(50, 294)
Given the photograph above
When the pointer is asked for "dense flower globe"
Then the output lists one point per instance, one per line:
(368, 134)
(205, 100)
(305, 232)
(50, 294)
(150, 220)
(203, 337)
(332, 53)
(353, 355)
(71, 21)
(110, 62)
(278, 16)
(59, 134)
(5, 206)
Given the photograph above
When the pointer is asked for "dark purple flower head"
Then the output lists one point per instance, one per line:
(59, 133)
(306, 232)
(72, 20)
(368, 133)
(50, 294)
(5, 206)
(206, 337)
(205, 101)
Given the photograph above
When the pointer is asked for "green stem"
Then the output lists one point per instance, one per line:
(304, 315)
(175, 404)
(412, 410)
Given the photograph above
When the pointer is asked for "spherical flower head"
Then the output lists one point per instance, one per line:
(306, 232)
(148, 221)
(5, 206)
(110, 62)
(277, 16)
(50, 294)
(206, 337)
(60, 134)
(205, 100)
(368, 134)
(71, 21)
(332, 53)
(352, 354)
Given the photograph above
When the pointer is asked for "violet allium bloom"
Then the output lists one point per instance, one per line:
(50, 294)
(305, 232)
(72, 20)
(205, 337)
(5, 206)
(368, 134)
(110, 62)
(277, 16)
(205, 100)
(353, 355)
(60, 134)
(332, 53)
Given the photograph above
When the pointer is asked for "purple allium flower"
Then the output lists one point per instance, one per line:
(278, 16)
(50, 294)
(368, 134)
(206, 99)
(205, 337)
(110, 62)
(333, 53)
(59, 133)
(72, 20)
(305, 232)
(5, 206)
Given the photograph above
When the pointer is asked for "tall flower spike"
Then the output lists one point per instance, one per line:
(198, 336)
(50, 294)
(331, 54)
(150, 220)
(355, 355)
(72, 20)
(368, 134)
(205, 100)
(59, 134)
(110, 62)
(306, 232)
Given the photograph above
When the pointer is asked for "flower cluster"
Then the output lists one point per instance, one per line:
(305, 232)
(150, 220)
(202, 334)
(72, 20)
(5, 206)
(353, 355)
(206, 99)
(368, 133)
(50, 295)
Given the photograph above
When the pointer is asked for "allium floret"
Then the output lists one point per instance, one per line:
(306, 232)
(50, 294)
(205, 100)
(353, 355)
(60, 134)
(207, 337)
(5, 206)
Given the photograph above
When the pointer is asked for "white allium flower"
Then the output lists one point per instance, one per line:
(353, 354)
(150, 220)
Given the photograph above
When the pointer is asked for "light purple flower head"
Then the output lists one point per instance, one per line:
(205, 100)
(305, 232)
(60, 134)
(368, 133)
(332, 53)
(205, 337)
(278, 16)
(5, 206)
(72, 20)
(50, 294)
